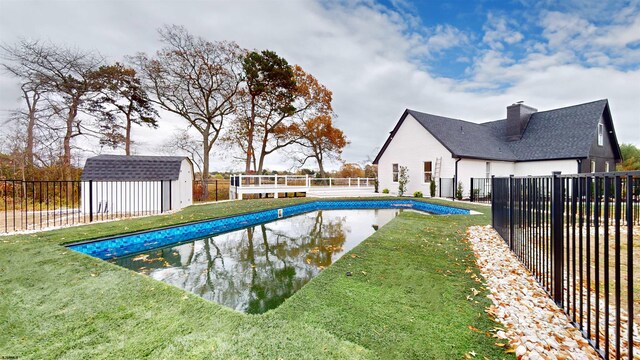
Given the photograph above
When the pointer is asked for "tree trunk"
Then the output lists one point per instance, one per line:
(319, 160)
(321, 167)
(263, 153)
(252, 121)
(127, 138)
(66, 158)
(29, 146)
(206, 149)
(32, 103)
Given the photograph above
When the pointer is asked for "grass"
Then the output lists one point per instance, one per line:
(407, 298)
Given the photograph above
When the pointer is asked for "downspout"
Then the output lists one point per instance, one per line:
(455, 180)
(579, 166)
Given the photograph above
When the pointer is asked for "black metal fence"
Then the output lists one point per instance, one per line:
(480, 190)
(35, 205)
(575, 233)
(218, 189)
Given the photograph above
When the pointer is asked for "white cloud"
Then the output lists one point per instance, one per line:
(497, 32)
(364, 53)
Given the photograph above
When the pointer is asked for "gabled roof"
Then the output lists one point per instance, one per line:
(565, 133)
(132, 168)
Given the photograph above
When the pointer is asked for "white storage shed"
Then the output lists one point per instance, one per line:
(131, 185)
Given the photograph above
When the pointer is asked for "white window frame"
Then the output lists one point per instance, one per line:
(593, 166)
(600, 134)
(606, 166)
(425, 172)
(395, 172)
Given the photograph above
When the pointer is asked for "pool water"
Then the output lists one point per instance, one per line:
(256, 268)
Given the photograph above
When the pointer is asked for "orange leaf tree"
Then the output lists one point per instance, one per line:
(320, 141)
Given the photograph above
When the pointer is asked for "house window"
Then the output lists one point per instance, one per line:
(488, 170)
(395, 172)
(606, 166)
(600, 134)
(593, 166)
(427, 171)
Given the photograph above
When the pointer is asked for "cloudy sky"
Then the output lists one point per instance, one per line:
(459, 59)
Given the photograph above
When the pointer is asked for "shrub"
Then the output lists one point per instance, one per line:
(432, 188)
(403, 180)
(385, 191)
(417, 194)
(459, 191)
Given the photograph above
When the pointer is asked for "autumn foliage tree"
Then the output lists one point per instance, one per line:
(320, 141)
(630, 158)
(350, 171)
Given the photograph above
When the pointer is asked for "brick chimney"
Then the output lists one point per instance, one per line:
(518, 116)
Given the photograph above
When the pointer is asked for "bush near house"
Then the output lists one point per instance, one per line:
(459, 191)
(417, 194)
(432, 188)
(385, 191)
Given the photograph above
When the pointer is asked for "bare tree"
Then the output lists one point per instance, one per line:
(195, 79)
(68, 78)
(182, 142)
(16, 61)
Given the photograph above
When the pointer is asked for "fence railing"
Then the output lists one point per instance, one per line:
(575, 233)
(35, 205)
(480, 190)
(303, 181)
(218, 189)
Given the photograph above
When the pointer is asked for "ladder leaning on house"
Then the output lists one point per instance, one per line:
(436, 172)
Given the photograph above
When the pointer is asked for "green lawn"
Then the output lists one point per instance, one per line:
(406, 299)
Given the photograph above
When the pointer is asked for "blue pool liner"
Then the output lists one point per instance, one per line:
(123, 245)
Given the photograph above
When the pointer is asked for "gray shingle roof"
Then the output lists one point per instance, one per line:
(465, 139)
(132, 168)
(563, 133)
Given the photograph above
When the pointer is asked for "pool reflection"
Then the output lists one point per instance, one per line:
(257, 268)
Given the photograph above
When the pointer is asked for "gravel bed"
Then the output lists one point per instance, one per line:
(534, 325)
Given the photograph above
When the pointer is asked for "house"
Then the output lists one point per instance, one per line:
(136, 184)
(574, 139)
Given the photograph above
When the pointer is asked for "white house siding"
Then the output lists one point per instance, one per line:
(536, 168)
(182, 189)
(468, 168)
(411, 146)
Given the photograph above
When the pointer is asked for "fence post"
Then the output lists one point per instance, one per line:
(557, 210)
(512, 195)
(471, 191)
(216, 189)
(440, 187)
(170, 199)
(90, 200)
(493, 205)
(162, 196)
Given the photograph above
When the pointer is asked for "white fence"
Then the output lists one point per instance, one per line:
(275, 184)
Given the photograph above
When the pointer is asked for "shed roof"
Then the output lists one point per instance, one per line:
(564, 133)
(132, 168)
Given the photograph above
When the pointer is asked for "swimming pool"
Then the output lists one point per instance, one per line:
(253, 262)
